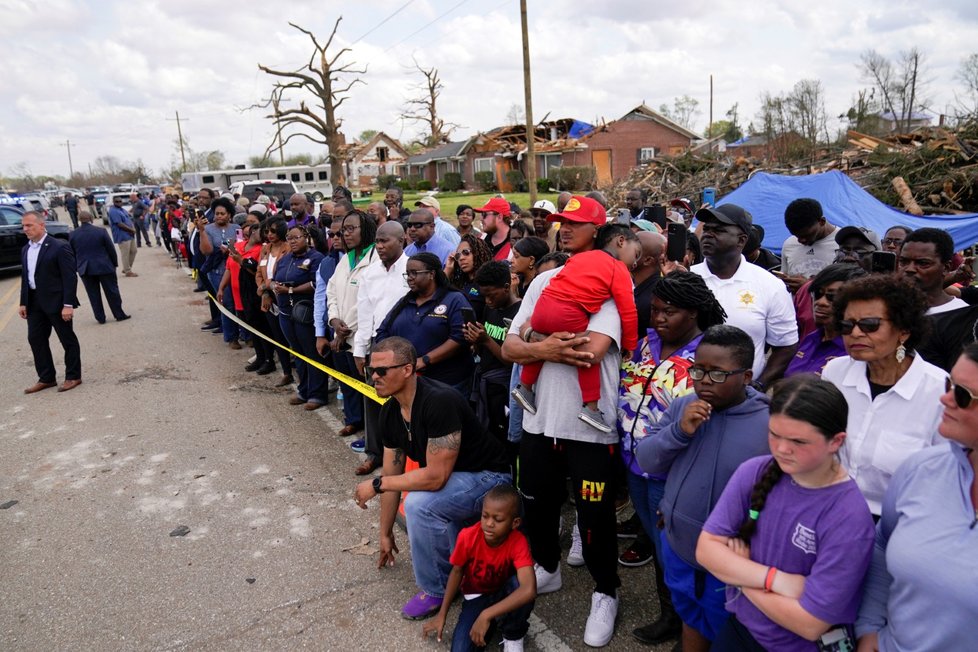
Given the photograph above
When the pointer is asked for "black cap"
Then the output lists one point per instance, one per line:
(868, 236)
(727, 214)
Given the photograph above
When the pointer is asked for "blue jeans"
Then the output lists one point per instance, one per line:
(434, 519)
(514, 624)
(352, 399)
(515, 409)
(646, 495)
(228, 327)
(302, 339)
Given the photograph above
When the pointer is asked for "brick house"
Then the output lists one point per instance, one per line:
(435, 163)
(635, 138)
(378, 156)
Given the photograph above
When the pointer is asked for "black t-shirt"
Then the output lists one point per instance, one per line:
(439, 410)
(496, 329)
(767, 260)
(950, 332)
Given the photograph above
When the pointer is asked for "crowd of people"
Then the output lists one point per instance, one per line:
(796, 434)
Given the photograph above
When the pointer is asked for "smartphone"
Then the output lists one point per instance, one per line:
(624, 217)
(468, 315)
(656, 213)
(883, 262)
(676, 234)
(710, 196)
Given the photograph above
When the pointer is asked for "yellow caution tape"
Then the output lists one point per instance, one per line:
(354, 383)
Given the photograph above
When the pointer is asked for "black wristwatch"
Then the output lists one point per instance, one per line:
(376, 485)
(426, 360)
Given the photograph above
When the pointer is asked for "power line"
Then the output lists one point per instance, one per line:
(371, 31)
(426, 26)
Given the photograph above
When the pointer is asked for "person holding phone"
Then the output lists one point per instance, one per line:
(214, 244)
(811, 245)
(471, 254)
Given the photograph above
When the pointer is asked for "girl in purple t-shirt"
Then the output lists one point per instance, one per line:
(791, 535)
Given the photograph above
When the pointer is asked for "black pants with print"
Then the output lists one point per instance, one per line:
(544, 465)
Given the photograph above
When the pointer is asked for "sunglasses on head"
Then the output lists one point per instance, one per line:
(963, 397)
(382, 371)
(866, 325)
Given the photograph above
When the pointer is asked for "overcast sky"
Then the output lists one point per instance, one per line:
(107, 75)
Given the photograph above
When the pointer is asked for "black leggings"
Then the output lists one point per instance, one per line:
(734, 637)
(284, 357)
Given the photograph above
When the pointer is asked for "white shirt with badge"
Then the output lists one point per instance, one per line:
(756, 302)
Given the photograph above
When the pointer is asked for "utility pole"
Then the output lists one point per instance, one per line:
(531, 166)
(183, 157)
(709, 129)
(71, 170)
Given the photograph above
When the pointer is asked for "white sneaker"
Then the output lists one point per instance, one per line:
(575, 556)
(601, 623)
(252, 359)
(547, 582)
(512, 646)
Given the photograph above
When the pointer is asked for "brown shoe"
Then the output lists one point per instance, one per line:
(285, 381)
(132, 274)
(38, 386)
(310, 406)
(369, 466)
(69, 385)
(235, 345)
(295, 400)
(346, 431)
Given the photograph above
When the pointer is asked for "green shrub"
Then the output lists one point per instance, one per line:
(424, 185)
(485, 180)
(573, 177)
(404, 184)
(543, 185)
(516, 180)
(385, 181)
(451, 182)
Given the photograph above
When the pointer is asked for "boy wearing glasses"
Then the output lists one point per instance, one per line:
(700, 441)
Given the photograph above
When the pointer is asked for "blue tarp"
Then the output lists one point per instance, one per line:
(580, 129)
(765, 196)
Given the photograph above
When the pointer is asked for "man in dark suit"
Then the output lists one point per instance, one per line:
(47, 300)
(96, 261)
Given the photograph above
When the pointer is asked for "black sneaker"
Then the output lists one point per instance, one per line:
(662, 630)
(254, 366)
(629, 529)
(637, 554)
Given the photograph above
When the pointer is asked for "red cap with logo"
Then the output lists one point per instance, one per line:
(496, 205)
(581, 209)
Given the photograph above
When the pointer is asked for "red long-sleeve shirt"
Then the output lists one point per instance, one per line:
(588, 279)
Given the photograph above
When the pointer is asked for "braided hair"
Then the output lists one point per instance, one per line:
(481, 254)
(368, 227)
(689, 291)
(803, 397)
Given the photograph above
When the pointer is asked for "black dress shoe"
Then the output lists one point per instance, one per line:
(662, 630)
(123, 318)
(266, 369)
(209, 325)
(253, 366)
(101, 321)
(199, 290)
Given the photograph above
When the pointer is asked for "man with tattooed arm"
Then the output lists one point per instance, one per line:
(458, 463)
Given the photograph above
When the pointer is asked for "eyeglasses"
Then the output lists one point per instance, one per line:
(963, 397)
(819, 293)
(464, 252)
(351, 228)
(716, 375)
(892, 242)
(417, 225)
(294, 238)
(866, 325)
(853, 251)
(415, 272)
(332, 234)
(382, 371)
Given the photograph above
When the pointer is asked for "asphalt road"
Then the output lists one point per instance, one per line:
(168, 432)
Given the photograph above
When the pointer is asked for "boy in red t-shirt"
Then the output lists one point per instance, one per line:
(587, 280)
(493, 566)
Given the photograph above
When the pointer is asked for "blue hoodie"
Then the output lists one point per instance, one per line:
(700, 466)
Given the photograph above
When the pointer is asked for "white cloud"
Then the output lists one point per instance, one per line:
(108, 74)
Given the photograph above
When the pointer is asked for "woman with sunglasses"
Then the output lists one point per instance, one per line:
(460, 268)
(892, 393)
(294, 282)
(791, 535)
(275, 248)
(920, 592)
(657, 374)
(527, 254)
(825, 342)
(430, 317)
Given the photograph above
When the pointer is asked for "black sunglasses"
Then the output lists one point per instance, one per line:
(819, 293)
(382, 371)
(866, 325)
(963, 397)
(716, 375)
(417, 225)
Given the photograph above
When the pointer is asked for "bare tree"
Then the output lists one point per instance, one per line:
(967, 74)
(684, 111)
(424, 108)
(325, 78)
(807, 100)
(900, 86)
(516, 115)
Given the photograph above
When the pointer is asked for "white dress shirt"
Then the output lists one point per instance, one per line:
(380, 289)
(33, 251)
(884, 432)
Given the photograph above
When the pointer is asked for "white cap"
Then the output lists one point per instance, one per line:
(545, 205)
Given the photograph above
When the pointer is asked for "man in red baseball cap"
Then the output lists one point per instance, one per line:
(579, 221)
(495, 222)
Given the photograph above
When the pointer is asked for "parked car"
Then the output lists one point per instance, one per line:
(13, 238)
(277, 190)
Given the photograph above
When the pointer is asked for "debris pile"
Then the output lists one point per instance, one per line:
(931, 170)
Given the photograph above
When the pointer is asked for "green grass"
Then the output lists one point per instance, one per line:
(451, 200)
